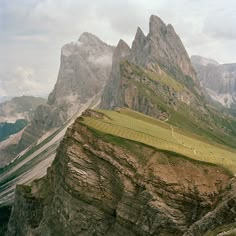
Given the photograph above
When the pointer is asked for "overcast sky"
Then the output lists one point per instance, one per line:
(32, 33)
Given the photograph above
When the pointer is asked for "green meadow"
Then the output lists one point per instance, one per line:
(140, 128)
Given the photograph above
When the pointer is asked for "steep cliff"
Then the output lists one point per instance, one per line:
(101, 184)
(158, 62)
(156, 77)
(161, 53)
(161, 46)
(218, 79)
(84, 70)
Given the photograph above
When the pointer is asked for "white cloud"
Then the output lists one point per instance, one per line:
(222, 25)
(21, 81)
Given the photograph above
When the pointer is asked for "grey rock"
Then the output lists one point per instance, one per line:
(112, 92)
(161, 46)
(162, 53)
(85, 67)
(219, 80)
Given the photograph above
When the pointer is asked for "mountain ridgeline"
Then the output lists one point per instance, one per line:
(85, 67)
(156, 159)
(156, 77)
(218, 79)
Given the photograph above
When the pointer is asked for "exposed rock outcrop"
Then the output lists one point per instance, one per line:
(155, 77)
(112, 95)
(84, 70)
(161, 46)
(219, 80)
(97, 187)
(85, 67)
(161, 54)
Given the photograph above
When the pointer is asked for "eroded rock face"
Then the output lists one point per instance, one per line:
(162, 54)
(161, 46)
(84, 70)
(85, 67)
(219, 80)
(97, 187)
(112, 95)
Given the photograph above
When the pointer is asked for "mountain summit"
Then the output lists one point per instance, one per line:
(161, 46)
(84, 69)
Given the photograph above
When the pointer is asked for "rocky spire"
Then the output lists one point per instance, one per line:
(156, 25)
(161, 46)
(122, 50)
(138, 45)
(112, 91)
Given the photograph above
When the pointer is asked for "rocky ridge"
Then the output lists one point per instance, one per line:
(162, 54)
(98, 187)
(85, 67)
(155, 77)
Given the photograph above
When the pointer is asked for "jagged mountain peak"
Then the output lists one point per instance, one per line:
(139, 39)
(161, 46)
(139, 34)
(219, 80)
(155, 24)
(122, 49)
(159, 28)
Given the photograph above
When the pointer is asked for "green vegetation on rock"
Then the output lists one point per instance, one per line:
(140, 128)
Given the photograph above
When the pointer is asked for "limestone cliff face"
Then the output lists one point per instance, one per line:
(84, 70)
(161, 62)
(112, 95)
(85, 67)
(97, 187)
(155, 77)
(218, 79)
(161, 46)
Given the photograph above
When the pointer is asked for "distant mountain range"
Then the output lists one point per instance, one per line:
(219, 80)
(19, 108)
(15, 115)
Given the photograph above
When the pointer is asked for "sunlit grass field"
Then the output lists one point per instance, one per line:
(135, 126)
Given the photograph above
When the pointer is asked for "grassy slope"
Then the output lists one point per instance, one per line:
(210, 124)
(223, 229)
(140, 128)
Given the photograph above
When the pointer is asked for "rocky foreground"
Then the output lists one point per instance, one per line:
(97, 186)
